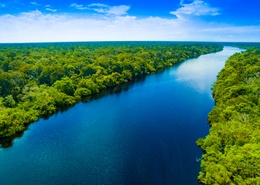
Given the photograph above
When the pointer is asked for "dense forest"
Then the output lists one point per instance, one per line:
(232, 148)
(244, 45)
(37, 80)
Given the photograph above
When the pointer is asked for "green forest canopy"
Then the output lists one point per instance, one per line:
(37, 80)
(232, 148)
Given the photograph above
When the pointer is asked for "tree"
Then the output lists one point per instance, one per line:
(9, 101)
(65, 85)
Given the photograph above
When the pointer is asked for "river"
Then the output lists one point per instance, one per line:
(143, 135)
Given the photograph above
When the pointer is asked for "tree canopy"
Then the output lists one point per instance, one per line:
(37, 80)
(232, 148)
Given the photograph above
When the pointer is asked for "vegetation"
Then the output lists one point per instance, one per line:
(244, 45)
(37, 80)
(232, 148)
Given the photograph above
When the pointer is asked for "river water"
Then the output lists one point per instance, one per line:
(143, 135)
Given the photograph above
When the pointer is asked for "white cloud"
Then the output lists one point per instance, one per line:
(103, 8)
(50, 9)
(181, 2)
(35, 4)
(78, 6)
(99, 8)
(38, 27)
(98, 5)
(110, 10)
(196, 8)
(118, 10)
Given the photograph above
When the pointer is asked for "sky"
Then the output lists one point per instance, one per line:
(129, 20)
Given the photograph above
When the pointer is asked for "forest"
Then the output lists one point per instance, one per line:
(232, 148)
(37, 80)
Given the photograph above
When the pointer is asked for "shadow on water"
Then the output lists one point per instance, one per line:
(7, 142)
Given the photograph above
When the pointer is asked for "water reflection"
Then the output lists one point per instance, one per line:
(201, 73)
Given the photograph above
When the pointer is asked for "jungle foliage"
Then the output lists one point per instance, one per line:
(37, 80)
(232, 148)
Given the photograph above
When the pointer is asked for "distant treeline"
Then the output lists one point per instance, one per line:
(37, 80)
(232, 148)
(244, 45)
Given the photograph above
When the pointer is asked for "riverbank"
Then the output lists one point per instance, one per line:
(232, 152)
(41, 80)
(143, 135)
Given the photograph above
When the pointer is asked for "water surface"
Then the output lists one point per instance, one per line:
(145, 135)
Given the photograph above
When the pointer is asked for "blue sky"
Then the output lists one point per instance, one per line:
(105, 20)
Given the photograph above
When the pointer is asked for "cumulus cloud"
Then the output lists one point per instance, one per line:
(196, 8)
(103, 8)
(38, 27)
(118, 10)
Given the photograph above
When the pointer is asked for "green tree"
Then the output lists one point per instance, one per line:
(9, 101)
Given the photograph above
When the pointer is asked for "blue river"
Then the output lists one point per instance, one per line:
(144, 134)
